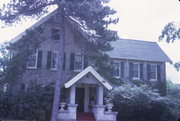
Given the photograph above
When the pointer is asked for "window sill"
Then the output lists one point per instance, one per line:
(138, 79)
(153, 80)
(53, 69)
(77, 70)
(117, 77)
(33, 68)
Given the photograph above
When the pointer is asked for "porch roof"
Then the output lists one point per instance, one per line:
(89, 69)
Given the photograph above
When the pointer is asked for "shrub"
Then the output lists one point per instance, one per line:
(35, 103)
(141, 104)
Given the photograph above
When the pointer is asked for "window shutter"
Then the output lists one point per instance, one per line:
(85, 61)
(122, 69)
(158, 72)
(64, 61)
(49, 55)
(148, 72)
(72, 61)
(141, 71)
(130, 70)
(39, 61)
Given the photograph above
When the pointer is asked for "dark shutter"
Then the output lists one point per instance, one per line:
(72, 61)
(39, 61)
(49, 55)
(64, 61)
(85, 61)
(122, 69)
(112, 68)
(158, 72)
(148, 72)
(130, 70)
(141, 71)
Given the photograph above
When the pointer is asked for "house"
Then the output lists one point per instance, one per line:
(131, 60)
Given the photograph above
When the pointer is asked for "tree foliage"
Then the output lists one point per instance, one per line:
(142, 104)
(35, 103)
(170, 33)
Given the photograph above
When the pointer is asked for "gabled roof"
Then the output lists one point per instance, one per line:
(85, 72)
(79, 24)
(138, 50)
(41, 21)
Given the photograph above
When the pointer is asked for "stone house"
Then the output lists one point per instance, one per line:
(131, 60)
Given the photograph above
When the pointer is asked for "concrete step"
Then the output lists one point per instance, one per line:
(85, 117)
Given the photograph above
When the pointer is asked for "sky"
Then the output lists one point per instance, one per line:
(138, 19)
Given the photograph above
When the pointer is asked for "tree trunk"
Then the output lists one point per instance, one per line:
(57, 90)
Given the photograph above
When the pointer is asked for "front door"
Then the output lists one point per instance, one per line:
(80, 99)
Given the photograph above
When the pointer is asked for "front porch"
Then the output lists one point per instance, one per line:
(86, 91)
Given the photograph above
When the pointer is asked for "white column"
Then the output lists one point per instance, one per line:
(100, 95)
(72, 94)
(86, 99)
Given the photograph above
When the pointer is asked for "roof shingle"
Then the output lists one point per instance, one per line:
(138, 50)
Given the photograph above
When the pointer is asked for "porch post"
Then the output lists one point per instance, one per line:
(72, 94)
(100, 95)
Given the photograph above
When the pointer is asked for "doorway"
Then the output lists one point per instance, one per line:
(80, 93)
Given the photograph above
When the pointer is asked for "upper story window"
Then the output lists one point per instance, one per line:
(55, 34)
(152, 72)
(32, 60)
(78, 62)
(116, 69)
(54, 60)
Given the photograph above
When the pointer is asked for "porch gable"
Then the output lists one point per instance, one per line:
(89, 69)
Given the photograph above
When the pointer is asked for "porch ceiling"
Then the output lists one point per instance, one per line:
(85, 72)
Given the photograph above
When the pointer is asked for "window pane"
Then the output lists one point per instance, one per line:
(135, 70)
(78, 62)
(31, 62)
(116, 69)
(153, 72)
(54, 61)
(55, 35)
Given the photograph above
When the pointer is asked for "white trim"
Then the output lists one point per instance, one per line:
(35, 67)
(89, 69)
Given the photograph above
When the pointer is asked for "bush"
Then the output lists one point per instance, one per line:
(35, 103)
(141, 104)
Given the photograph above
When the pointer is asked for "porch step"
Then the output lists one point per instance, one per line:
(85, 117)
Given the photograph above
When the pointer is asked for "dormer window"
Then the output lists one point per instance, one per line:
(55, 34)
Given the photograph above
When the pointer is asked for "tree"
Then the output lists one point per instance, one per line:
(170, 33)
(93, 13)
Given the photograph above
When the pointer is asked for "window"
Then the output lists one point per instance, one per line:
(153, 72)
(54, 60)
(55, 34)
(116, 69)
(135, 70)
(78, 62)
(32, 60)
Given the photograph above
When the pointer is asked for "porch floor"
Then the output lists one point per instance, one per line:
(85, 117)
